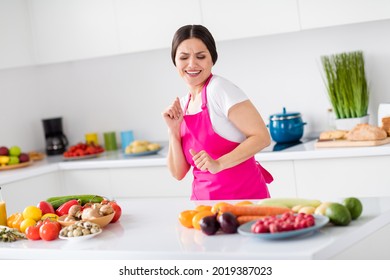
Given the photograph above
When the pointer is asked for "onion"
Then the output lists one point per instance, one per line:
(90, 213)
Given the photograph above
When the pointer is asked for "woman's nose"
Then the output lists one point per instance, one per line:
(192, 61)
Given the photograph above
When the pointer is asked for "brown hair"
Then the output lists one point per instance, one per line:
(194, 31)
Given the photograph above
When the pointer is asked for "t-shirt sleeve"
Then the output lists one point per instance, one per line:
(225, 94)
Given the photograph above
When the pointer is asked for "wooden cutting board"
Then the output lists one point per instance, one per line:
(346, 143)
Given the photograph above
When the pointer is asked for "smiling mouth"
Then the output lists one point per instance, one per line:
(193, 73)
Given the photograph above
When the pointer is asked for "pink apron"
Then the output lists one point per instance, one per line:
(246, 180)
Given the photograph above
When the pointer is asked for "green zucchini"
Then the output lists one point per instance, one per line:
(57, 201)
(289, 202)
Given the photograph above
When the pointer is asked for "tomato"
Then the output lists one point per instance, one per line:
(50, 221)
(49, 231)
(32, 233)
(118, 211)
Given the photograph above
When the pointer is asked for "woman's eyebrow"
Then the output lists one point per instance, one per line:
(195, 53)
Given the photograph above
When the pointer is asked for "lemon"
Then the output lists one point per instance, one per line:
(338, 214)
(51, 216)
(32, 212)
(26, 223)
(354, 206)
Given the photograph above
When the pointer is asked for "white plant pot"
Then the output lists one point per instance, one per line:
(349, 123)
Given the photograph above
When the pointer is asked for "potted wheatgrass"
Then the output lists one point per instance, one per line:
(347, 88)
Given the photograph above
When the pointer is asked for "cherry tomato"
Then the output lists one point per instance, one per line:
(32, 233)
(49, 231)
(48, 221)
(118, 211)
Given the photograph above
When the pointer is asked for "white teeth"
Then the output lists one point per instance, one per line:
(193, 72)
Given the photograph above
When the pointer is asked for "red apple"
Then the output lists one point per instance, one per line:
(4, 151)
(46, 207)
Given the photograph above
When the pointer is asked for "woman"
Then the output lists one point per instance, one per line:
(214, 128)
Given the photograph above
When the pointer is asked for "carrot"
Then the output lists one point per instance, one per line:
(253, 210)
(244, 219)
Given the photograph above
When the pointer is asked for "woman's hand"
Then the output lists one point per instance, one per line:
(204, 162)
(173, 116)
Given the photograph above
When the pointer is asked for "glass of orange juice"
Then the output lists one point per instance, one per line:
(3, 211)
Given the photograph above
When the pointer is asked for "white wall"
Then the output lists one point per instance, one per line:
(130, 91)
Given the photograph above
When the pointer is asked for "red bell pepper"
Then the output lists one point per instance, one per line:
(64, 208)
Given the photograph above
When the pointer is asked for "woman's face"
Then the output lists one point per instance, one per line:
(194, 63)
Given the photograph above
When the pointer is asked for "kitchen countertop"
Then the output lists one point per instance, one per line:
(149, 229)
(116, 159)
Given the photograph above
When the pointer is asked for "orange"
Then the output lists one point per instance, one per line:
(203, 208)
(216, 206)
(185, 217)
(17, 221)
(244, 202)
(198, 216)
(11, 219)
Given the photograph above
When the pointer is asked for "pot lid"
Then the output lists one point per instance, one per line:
(285, 115)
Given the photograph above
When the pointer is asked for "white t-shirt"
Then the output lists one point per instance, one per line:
(221, 96)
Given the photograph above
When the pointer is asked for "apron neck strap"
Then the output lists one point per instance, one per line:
(204, 92)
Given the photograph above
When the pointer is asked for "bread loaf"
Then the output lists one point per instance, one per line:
(333, 135)
(386, 125)
(365, 132)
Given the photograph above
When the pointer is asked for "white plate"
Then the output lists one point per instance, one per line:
(82, 157)
(320, 221)
(81, 238)
(143, 153)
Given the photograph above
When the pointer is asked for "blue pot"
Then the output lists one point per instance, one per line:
(286, 127)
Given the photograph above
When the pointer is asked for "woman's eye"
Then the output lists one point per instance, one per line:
(201, 57)
(183, 57)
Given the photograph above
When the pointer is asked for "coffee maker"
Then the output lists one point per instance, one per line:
(56, 140)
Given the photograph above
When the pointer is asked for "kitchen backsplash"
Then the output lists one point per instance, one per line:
(130, 91)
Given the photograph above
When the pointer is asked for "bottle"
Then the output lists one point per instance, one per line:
(3, 212)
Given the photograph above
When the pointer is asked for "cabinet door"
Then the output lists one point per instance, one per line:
(153, 181)
(31, 191)
(73, 29)
(15, 34)
(150, 24)
(231, 19)
(322, 13)
(284, 178)
(88, 181)
(343, 177)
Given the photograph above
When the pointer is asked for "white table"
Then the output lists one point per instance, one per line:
(149, 229)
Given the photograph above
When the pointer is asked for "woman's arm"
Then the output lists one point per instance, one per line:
(248, 120)
(177, 163)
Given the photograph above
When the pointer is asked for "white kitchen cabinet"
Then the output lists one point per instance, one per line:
(73, 29)
(323, 13)
(231, 19)
(90, 181)
(342, 177)
(150, 24)
(154, 181)
(30, 191)
(284, 178)
(15, 34)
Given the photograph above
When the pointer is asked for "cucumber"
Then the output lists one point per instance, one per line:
(289, 202)
(57, 201)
